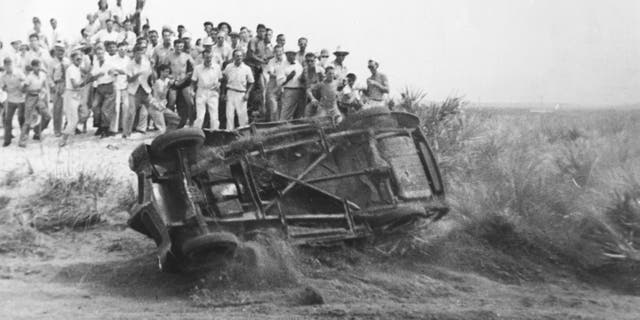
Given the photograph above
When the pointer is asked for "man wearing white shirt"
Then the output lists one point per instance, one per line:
(37, 29)
(118, 13)
(35, 87)
(221, 51)
(239, 81)
(93, 25)
(73, 95)
(138, 73)
(127, 35)
(120, 64)
(207, 81)
(11, 81)
(55, 33)
(275, 75)
(58, 66)
(104, 98)
(106, 34)
(293, 94)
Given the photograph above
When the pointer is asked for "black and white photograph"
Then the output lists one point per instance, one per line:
(409, 159)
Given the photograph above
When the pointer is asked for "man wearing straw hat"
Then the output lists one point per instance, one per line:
(339, 69)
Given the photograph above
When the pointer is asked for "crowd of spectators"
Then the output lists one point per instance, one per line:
(130, 78)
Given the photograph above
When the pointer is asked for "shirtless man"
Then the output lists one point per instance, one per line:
(182, 69)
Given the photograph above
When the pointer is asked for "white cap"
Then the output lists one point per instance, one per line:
(207, 41)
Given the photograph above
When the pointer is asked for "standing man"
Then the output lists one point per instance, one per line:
(257, 58)
(58, 68)
(312, 73)
(55, 33)
(292, 102)
(275, 75)
(11, 82)
(207, 78)
(35, 88)
(127, 35)
(120, 64)
(104, 97)
(162, 52)
(106, 34)
(138, 73)
(281, 40)
(118, 12)
(324, 98)
(302, 52)
(340, 70)
(93, 25)
(73, 95)
(239, 81)
(377, 86)
(37, 30)
(181, 94)
(222, 51)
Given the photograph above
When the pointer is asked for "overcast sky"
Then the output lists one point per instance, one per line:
(576, 51)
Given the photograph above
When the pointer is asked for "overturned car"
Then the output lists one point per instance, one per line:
(201, 194)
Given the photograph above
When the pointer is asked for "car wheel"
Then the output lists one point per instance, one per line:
(185, 138)
(378, 117)
(169, 264)
(217, 243)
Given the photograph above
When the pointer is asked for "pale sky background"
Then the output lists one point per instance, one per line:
(573, 51)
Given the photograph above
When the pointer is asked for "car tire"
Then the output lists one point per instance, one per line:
(170, 264)
(185, 138)
(218, 243)
(378, 117)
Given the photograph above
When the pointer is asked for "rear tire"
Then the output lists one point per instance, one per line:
(217, 243)
(166, 144)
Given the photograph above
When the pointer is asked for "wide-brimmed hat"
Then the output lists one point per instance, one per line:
(340, 52)
(207, 41)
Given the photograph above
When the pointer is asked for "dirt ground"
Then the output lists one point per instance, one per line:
(109, 272)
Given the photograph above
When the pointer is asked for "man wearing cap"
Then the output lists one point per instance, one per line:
(35, 88)
(59, 65)
(206, 77)
(323, 58)
(340, 70)
(293, 94)
(138, 73)
(239, 80)
(11, 81)
(106, 34)
(104, 97)
(377, 86)
(275, 75)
